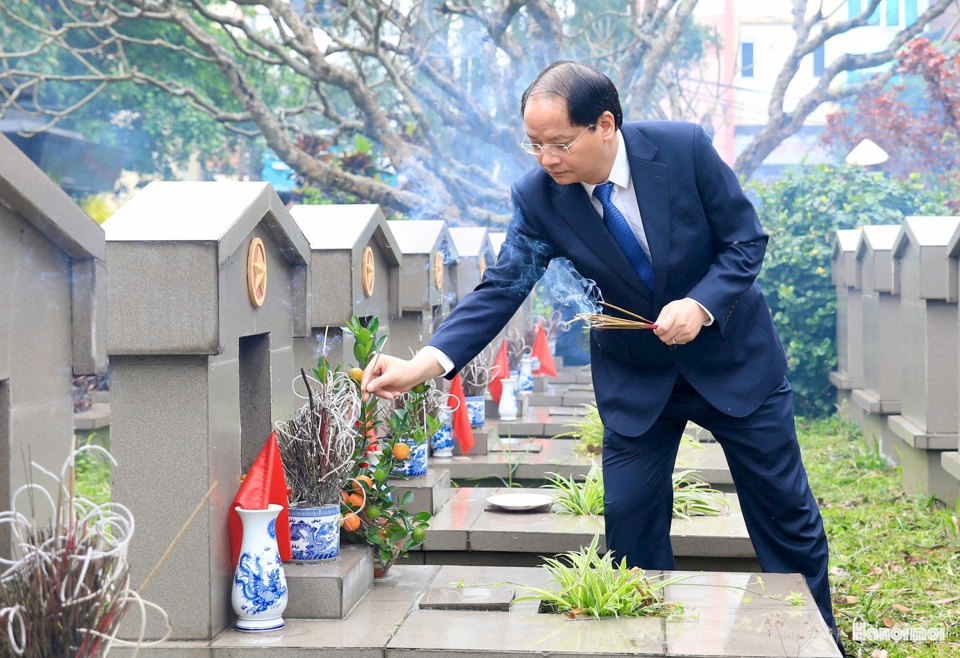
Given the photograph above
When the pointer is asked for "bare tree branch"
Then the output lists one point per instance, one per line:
(428, 88)
(782, 123)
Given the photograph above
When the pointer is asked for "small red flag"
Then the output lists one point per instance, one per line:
(265, 484)
(500, 370)
(541, 350)
(462, 431)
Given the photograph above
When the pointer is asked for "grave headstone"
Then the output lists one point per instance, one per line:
(849, 373)
(53, 286)
(208, 287)
(475, 255)
(424, 283)
(354, 259)
(927, 422)
(880, 395)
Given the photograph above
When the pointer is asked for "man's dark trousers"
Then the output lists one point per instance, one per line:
(764, 459)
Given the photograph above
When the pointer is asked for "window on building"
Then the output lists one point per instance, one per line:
(746, 59)
(893, 13)
(818, 61)
(856, 7)
(909, 12)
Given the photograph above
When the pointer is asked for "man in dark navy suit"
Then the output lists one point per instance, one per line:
(651, 213)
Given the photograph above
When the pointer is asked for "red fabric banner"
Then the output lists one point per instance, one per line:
(264, 484)
(541, 350)
(500, 370)
(462, 431)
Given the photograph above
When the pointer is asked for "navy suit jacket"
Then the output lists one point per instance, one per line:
(706, 243)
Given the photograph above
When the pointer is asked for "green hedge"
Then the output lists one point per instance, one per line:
(802, 211)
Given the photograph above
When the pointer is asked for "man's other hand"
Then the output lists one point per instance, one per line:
(680, 321)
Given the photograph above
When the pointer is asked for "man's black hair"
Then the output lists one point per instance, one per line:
(586, 90)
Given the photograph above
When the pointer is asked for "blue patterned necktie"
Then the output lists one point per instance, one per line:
(620, 229)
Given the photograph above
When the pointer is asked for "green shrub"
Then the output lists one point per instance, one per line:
(802, 211)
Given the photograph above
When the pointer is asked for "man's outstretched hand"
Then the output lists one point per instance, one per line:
(388, 376)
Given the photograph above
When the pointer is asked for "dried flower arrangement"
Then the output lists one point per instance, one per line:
(517, 348)
(477, 375)
(66, 588)
(318, 446)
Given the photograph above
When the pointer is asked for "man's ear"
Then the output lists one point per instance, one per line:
(607, 125)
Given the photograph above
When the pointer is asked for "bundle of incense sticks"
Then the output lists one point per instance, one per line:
(599, 321)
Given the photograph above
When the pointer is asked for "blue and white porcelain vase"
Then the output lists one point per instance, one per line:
(441, 443)
(476, 410)
(259, 594)
(525, 381)
(416, 464)
(315, 533)
(507, 409)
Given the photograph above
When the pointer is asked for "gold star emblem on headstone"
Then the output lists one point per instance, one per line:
(257, 272)
(368, 271)
(438, 270)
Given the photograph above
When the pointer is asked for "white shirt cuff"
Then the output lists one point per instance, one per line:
(709, 314)
(443, 359)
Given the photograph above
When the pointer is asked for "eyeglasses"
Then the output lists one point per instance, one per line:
(555, 149)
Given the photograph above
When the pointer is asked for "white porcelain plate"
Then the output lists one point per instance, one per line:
(519, 502)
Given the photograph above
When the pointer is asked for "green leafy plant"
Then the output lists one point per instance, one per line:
(93, 473)
(591, 584)
(411, 420)
(801, 211)
(374, 510)
(588, 430)
(691, 495)
(578, 498)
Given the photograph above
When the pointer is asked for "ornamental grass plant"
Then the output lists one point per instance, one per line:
(691, 495)
(590, 584)
(588, 430)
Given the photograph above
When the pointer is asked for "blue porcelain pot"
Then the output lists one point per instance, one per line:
(441, 444)
(476, 410)
(315, 533)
